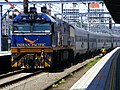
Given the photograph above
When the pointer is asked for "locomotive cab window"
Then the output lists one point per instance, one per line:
(21, 27)
(45, 28)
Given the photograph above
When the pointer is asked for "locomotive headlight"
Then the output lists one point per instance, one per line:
(24, 18)
(50, 58)
(38, 18)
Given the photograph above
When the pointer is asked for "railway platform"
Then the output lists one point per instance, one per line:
(102, 75)
(5, 59)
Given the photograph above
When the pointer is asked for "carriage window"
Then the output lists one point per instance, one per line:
(101, 40)
(42, 27)
(77, 38)
(80, 39)
(21, 27)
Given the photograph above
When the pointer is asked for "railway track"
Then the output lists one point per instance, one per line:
(36, 80)
(15, 77)
(10, 73)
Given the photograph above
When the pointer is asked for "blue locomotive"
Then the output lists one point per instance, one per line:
(39, 41)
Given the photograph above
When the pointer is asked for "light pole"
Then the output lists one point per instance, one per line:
(88, 16)
(0, 26)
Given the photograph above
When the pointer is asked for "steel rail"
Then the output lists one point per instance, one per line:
(8, 83)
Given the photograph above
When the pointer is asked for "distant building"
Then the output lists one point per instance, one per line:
(6, 27)
(71, 13)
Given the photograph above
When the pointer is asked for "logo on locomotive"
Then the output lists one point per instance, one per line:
(31, 43)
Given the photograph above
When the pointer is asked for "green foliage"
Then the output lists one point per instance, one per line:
(97, 58)
(62, 81)
(89, 65)
(92, 63)
(56, 78)
(71, 74)
(54, 85)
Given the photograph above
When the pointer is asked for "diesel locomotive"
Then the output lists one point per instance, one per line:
(39, 40)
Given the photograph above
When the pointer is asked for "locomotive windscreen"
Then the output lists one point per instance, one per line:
(42, 27)
(36, 27)
(25, 27)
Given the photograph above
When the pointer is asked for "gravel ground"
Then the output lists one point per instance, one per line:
(45, 79)
(69, 82)
(72, 79)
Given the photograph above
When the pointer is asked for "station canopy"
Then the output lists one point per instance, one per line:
(113, 7)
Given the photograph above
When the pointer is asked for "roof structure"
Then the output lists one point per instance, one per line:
(113, 7)
(42, 16)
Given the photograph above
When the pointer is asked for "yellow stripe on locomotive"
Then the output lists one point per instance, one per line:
(25, 58)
